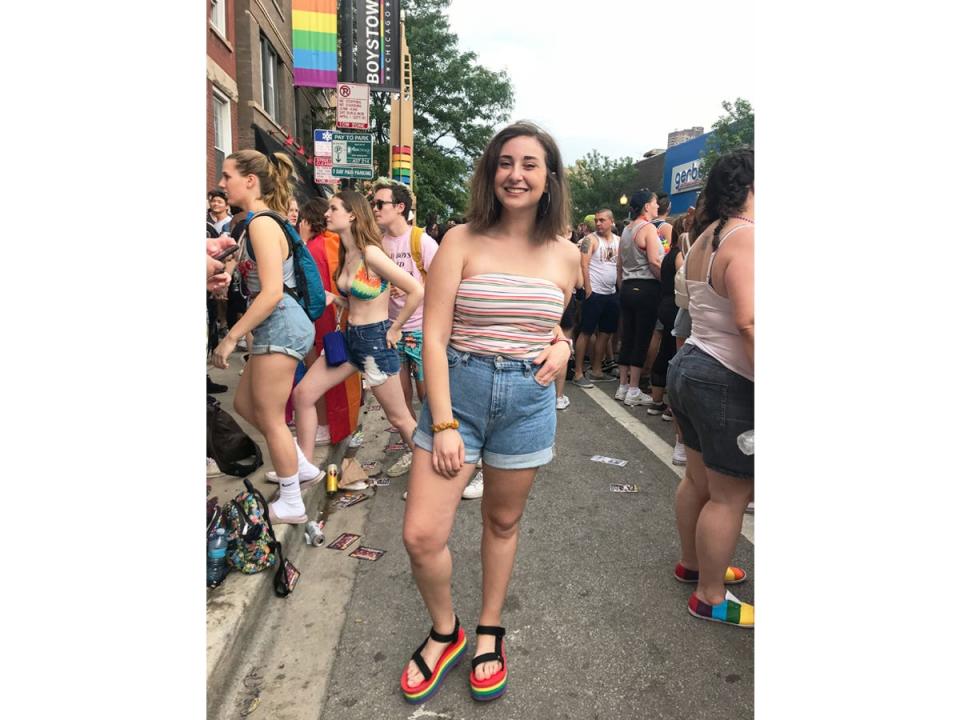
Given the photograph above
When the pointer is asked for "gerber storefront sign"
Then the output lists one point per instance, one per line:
(686, 177)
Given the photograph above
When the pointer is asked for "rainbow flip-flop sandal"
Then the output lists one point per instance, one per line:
(433, 678)
(730, 612)
(732, 576)
(495, 685)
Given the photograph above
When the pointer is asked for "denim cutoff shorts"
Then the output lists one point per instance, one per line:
(286, 330)
(367, 346)
(505, 415)
(713, 405)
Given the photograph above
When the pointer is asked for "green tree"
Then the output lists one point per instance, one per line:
(597, 182)
(456, 105)
(731, 131)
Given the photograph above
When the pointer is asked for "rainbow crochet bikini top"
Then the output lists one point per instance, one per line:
(366, 285)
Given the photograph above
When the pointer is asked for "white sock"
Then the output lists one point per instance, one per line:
(307, 470)
(622, 388)
(290, 503)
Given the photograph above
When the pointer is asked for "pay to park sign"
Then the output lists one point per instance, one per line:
(352, 155)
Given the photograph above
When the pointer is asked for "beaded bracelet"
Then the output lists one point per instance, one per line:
(449, 425)
(563, 338)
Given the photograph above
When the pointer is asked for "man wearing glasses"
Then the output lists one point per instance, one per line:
(412, 249)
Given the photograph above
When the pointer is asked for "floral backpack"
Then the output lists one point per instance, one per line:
(251, 544)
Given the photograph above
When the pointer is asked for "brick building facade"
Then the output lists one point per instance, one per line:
(223, 95)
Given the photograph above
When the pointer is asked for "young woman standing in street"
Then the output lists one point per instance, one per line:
(363, 277)
(492, 349)
(282, 332)
(710, 382)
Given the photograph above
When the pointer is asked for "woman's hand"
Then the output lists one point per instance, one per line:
(554, 359)
(393, 336)
(223, 350)
(448, 452)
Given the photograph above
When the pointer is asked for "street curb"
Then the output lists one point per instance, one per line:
(244, 598)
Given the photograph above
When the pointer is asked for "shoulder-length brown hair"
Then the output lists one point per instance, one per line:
(553, 210)
(363, 228)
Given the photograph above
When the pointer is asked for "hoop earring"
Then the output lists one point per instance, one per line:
(541, 209)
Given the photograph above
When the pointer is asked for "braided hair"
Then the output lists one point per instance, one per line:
(728, 184)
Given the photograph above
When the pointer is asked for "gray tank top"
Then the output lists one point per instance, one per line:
(247, 267)
(632, 259)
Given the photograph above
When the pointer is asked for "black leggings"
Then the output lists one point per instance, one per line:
(667, 313)
(638, 311)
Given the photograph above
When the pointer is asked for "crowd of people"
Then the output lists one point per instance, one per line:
(516, 299)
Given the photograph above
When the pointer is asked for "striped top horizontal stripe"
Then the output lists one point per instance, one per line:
(504, 314)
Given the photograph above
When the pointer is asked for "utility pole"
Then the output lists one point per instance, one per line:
(401, 119)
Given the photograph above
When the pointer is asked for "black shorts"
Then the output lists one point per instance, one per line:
(600, 310)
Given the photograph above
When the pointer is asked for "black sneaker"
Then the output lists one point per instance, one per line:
(667, 414)
(657, 409)
(215, 388)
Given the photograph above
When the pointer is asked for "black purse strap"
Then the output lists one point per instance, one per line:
(279, 577)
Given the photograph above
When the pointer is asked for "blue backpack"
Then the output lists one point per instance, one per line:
(309, 292)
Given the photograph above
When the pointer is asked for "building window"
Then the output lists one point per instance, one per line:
(218, 15)
(269, 86)
(222, 135)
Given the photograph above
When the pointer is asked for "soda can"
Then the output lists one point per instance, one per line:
(333, 479)
(314, 534)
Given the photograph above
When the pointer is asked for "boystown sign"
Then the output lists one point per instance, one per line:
(686, 177)
(377, 59)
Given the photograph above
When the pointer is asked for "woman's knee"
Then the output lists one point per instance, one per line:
(422, 540)
(503, 523)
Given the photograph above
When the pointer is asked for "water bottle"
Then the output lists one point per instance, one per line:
(745, 442)
(217, 558)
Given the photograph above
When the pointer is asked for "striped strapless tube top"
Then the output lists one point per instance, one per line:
(503, 314)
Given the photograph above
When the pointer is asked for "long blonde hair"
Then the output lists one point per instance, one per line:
(274, 173)
(363, 227)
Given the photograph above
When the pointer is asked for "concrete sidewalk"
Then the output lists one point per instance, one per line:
(242, 600)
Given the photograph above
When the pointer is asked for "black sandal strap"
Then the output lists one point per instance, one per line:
(497, 654)
(452, 637)
(418, 658)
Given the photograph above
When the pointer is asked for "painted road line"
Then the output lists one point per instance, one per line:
(653, 442)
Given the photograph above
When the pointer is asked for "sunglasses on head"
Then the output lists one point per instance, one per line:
(378, 204)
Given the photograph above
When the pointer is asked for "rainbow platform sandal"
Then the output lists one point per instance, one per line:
(495, 685)
(433, 678)
(732, 576)
(730, 612)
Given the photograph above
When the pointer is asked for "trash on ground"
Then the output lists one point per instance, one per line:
(343, 541)
(609, 460)
(617, 488)
(367, 553)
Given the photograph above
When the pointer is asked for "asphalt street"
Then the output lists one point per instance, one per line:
(597, 627)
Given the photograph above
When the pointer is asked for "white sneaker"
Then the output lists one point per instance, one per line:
(679, 454)
(308, 476)
(323, 435)
(356, 440)
(475, 487)
(563, 402)
(401, 465)
(636, 396)
(621, 392)
(213, 470)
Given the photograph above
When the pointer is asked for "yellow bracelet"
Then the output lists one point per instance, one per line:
(449, 425)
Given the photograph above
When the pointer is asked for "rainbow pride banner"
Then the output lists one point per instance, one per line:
(401, 163)
(315, 43)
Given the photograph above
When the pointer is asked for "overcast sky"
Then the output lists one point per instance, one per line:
(613, 75)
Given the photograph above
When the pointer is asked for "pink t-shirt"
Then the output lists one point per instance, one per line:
(398, 248)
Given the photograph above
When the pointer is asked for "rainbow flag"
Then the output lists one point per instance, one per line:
(315, 43)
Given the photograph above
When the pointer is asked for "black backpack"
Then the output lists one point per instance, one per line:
(231, 447)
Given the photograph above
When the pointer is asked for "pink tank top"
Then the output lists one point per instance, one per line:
(714, 330)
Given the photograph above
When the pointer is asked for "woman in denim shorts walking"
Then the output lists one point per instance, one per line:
(364, 276)
(710, 382)
(492, 348)
(282, 332)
